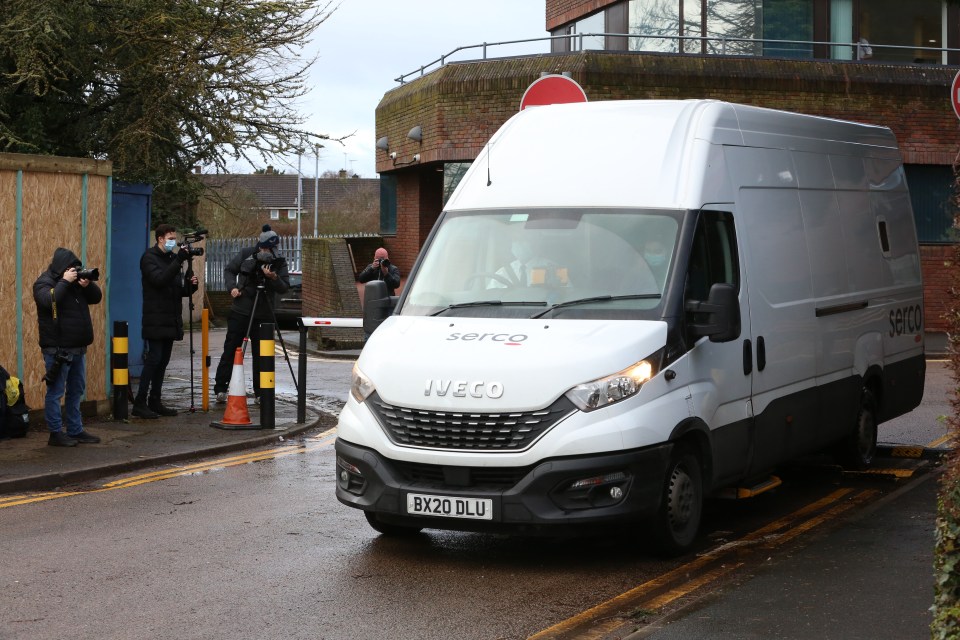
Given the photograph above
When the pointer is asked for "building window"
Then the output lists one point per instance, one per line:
(931, 195)
(274, 214)
(889, 30)
(388, 205)
(452, 174)
(291, 214)
(918, 24)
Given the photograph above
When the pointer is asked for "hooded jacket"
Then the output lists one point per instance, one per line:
(163, 292)
(243, 273)
(73, 328)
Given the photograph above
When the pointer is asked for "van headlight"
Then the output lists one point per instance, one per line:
(360, 385)
(616, 387)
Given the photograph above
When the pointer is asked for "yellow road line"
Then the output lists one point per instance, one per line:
(39, 498)
(617, 604)
(166, 474)
(941, 440)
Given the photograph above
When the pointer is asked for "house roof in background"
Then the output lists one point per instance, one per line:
(279, 191)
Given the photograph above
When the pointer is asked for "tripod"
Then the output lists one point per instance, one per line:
(188, 276)
(261, 289)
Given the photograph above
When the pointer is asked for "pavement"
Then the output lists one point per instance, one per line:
(28, 464)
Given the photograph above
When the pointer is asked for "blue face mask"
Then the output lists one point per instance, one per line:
(170, 245)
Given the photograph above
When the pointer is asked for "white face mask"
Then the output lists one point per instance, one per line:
(170, 245)
(655, 259)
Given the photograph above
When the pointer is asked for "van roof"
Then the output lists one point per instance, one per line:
(650, 153)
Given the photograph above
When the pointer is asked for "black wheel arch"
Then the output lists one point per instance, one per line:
(873, 382)
(695, 434)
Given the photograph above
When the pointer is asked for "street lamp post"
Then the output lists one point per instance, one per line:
(316, 190)
(299, 206)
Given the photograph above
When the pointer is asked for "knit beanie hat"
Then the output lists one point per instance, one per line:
(268, 239)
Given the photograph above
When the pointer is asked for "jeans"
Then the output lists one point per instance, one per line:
(236, 330)
(73, 380)
(154, 369)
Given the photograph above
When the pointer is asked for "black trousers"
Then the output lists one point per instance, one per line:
(154, 369)
(236, 330)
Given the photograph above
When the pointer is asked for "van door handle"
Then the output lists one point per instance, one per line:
(761, 354)
(747, 357)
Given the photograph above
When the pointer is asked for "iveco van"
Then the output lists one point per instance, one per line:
(626, 307)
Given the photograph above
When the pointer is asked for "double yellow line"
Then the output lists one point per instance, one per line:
(316, 442)
(661, 591)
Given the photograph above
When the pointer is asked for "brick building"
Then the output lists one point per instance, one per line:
(880, 62)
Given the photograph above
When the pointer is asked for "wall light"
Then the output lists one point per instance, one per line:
(416, 134)
(383, 144)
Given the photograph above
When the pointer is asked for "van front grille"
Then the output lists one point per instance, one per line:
(500, 478)
(463, 431)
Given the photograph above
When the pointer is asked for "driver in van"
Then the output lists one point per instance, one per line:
(528, 269)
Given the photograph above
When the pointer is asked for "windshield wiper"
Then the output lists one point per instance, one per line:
(571, 303)
(486, 303)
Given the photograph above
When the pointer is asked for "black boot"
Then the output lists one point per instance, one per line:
(60, 439)
(157, 407)
(141, 410)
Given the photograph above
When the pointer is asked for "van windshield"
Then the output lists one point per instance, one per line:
(569, 263)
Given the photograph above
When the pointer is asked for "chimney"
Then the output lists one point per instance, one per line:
(343, 173)
(196, 169)
(269, 170)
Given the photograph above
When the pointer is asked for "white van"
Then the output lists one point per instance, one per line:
(627, 306)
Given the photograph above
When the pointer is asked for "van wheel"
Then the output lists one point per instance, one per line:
(389, 529)
(859, 448)
(681, 506)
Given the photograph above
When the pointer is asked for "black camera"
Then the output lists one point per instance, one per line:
(194, 236)
(58, 361)
(385, 263)
(88, 274)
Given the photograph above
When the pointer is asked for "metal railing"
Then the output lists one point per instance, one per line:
(724, 42)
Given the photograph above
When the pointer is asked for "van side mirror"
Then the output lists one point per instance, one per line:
(721, 314)
(378, 305)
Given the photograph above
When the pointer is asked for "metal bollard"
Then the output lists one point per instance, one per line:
(268, 393)
(302, 375)
(121, 371)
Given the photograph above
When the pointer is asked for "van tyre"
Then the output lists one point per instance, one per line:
(860, 446)
(681, 506)
(388, 529)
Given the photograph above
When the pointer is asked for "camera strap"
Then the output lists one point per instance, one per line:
(56, 316)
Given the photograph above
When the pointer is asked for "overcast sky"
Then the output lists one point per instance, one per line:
(365, 44)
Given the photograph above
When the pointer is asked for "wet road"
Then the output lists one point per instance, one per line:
(264, 550)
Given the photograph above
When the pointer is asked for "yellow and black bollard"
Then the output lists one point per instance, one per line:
(121, 373)
(267, 377)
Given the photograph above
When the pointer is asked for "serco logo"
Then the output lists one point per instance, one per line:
(463, 388)
(510, 340)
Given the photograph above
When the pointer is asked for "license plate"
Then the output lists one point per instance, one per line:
(449, 506)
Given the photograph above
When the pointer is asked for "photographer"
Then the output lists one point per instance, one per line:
(63, 294)
(253, 268)
(382, 269)
(164, 289)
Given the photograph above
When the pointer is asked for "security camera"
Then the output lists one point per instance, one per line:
(416, 157)
(393, 155)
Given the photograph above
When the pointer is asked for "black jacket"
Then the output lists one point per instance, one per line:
(373, 272)
(243, 272)
(74, 328)
(164, 289)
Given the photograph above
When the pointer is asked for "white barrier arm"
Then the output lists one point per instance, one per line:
(347, 323)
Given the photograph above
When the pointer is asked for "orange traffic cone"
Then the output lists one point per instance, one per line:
(236, 415)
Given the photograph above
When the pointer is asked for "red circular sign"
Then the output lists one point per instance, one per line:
(955, 94)
(552, 89)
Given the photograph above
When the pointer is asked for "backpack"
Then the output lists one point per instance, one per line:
(14, 412)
